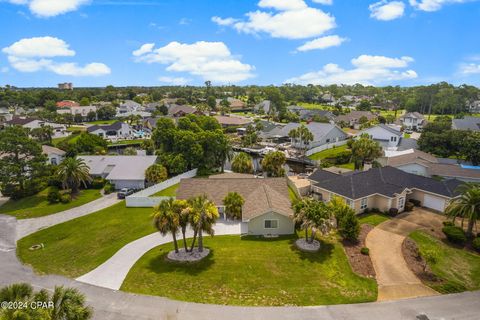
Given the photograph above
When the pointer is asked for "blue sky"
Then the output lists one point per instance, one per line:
(160, 42)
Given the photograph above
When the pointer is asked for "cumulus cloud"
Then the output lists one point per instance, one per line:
(291, 19)
(368, 70)
(176, 81)
(385, 10)
(146, 48)
(434, 5)
(51, 8)
(467, 69)
(208, 60)
(322, 43)
(35, 54)
(324, 2)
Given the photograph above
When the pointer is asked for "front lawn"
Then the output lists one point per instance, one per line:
(103, 122)
(126, 142)
(373, 219)
(169, 192)
(253, 271)
(349, 166)
(78, 246)
(315, 106)
(329, 153)
(458, 269)
(37, 205)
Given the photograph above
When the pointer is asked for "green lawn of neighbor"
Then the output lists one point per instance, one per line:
(126, 142)
(329, 153)
(253, 271)
(458, 268)
(350, 166)
(293, 196)
(38, 206)
(169, 192)
(78, 246)
(71, 139)
(372, 218)
(100, 122)
(315, 106)
(407, 135)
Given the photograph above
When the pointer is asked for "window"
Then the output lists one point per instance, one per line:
(53, 161)
(363, 203)
(393, 139)
(349, 203)
(271, 224)
(328, 140)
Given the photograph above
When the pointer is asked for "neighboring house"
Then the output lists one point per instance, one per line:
(115, 130)
(81, 110)
(352, 119)
(412, 121)
(177, 111)
(309, 114)
(233, 121)
(267, 208)
(425, 164)
(5, 115)
(153, 106)
(474, 106)
(235, 104)
(467, 123)
(121, 171)
(67, 104)
(383, 188)
(150, 123)
(59, 130)
(55, 156)
(383, 134)
(129, 106)
(265, 105)
(141, 114)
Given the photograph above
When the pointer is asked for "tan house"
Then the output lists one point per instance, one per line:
(383, 188)
(267, 208)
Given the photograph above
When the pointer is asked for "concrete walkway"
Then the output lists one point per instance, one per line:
(113, 272)
(394, 277)
(29, 226)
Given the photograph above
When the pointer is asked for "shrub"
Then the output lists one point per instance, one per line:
(416, 203)
(349, 226)
(448, 224)
(365, 251)
(455, 235)
(98, 183)
(476, 244)
(53, 196)
(393, 212)
(430, 256)
(367, 210)
(109, 188)
(65, 198)
(375, 210)
(409, 206)
(343, 157)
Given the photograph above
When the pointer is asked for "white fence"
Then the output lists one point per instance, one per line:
(325, 147)
(143, 198)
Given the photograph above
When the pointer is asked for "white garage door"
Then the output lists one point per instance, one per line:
(433, 202)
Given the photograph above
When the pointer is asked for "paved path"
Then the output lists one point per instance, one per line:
(394, 277)
(113, 272)
(29, 226)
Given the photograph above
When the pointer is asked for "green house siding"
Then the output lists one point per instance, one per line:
(285, 225)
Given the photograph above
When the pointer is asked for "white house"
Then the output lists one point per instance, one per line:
(81, 110)
(55, 156)
(115, 130)
(413, 121)
(385, 135)
(59, 130)
(129, 106)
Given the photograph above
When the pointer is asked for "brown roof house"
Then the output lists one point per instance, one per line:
(267, 208)
(352, 119)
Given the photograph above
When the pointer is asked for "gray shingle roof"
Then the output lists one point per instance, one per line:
(467, 123)
(109, 127)
(119, 167)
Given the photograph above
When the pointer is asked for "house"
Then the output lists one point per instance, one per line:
(267, 208)
(474, 106)
(65, 86)
(412, 121)
(59, 130)
(310, 114)
(467, 123)
(5, 115)
(233, 121)
(121, 171)
(114, 130)
(81, 110)
(177, 111)
(383, 134)
(425, 164)
(352, 119)
(150, 123)
(264, 107)
(383, 188)
(55, 156)
(67, 104)
(235, 104)
(129, 106)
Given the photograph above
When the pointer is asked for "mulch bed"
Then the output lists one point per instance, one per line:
(416, 263)
(361, 264)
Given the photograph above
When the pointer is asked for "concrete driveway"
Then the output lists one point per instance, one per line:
(394, 277)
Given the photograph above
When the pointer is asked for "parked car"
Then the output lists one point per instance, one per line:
(125, 192)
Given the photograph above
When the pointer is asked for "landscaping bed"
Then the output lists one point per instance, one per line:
(416, 262)
(253, 271)
(361, 263)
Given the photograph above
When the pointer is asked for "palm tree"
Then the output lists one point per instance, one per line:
(365, 149)
(313, 216)
(467, 206)
(303, 135)
(167, 219)
(242, 163)
(69, 303)
(203, 214)
(233, 203)
(74, 172)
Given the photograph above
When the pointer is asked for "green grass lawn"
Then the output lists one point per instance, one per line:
(169, 192)
(100, 122)
(78, 246)
(350, 166)
(372, 218)
(407, 135)
(329, 153)
(315, 106)
(458, 268)
(253, 271)
(71, 138)
(293, 196)
(126, 142)
(38, 206)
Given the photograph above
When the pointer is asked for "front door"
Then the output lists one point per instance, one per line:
(401, 204)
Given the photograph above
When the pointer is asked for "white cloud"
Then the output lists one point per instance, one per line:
(385, 11)
(208, 60)
(224, 22)
(51, 8)
(324, 2)
(467, 69)
(35, 54)
(178, 81)
(146, 48)
(322, 43)
(293, 19)
(368, 70)
(434, 5)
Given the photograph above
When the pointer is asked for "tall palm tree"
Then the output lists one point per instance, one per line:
(73, 172)
(233, 203)
(203, 215)
(467, 206)
(166, 219)
(365, 149)
(242, 163)
(313, 216)
(69, 303)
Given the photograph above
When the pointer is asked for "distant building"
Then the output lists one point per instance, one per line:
(235, 104)
(233, 121)
(413, 121)
(115, 130)
(67, 104)
(59, 130)
(82, 110)
(467, 123)
(65, 86)
(352, 119)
